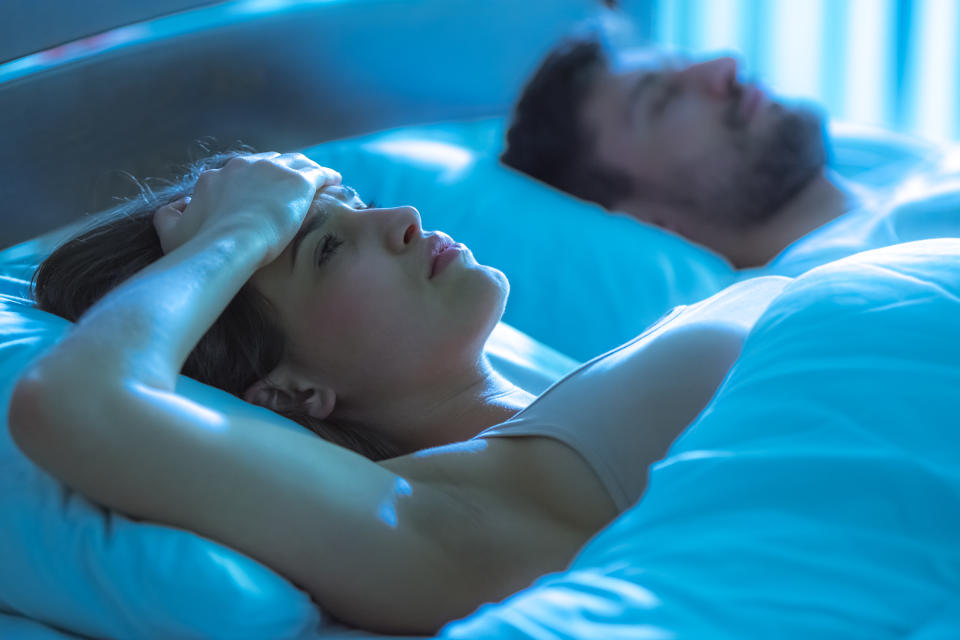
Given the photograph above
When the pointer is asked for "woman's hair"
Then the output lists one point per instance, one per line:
(242, 346)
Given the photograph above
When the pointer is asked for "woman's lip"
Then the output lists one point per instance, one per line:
(447, 255)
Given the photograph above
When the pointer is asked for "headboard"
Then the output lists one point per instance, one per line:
(273, 74)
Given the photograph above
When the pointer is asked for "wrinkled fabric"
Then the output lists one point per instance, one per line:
(818, 496)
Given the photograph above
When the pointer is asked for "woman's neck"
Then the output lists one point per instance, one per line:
(490, 400)
(436, 416)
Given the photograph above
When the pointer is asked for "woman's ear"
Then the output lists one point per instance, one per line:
(281, 396)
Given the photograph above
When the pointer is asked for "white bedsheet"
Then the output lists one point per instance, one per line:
(818, 495)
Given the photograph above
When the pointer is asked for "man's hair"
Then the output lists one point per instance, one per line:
(243, 345)
(547, 138)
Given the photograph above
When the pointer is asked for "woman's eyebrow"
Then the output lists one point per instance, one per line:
(311, 225)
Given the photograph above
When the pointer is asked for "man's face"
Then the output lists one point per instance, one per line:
(701, 149)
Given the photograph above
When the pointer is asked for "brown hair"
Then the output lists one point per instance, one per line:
(242, 346)
(547, 138)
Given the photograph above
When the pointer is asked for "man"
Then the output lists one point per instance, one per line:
(688, 147)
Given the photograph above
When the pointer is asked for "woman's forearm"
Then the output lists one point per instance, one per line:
(238, 219)
(144, 329)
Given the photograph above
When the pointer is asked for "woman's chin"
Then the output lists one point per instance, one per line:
(499, 278)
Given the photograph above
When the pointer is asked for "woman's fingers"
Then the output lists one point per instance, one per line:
(331, 177)
(165, 220)
(180, 204)
(324, 176)
(254, 183)
(320, 175)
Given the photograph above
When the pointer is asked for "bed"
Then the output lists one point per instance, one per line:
(853, 532)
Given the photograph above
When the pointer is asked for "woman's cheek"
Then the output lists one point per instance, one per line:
(359, 301)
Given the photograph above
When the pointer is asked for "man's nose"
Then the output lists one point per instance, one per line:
(717, 76)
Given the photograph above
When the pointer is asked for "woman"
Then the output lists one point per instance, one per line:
(383, 327)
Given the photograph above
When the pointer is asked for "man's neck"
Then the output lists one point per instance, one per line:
(825, 198)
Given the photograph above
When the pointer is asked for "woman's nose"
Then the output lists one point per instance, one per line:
(717, 76)
(401, 226)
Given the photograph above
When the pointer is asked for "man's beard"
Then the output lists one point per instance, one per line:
(776, 168)
(768, 171)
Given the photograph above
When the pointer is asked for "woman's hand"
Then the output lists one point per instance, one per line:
(268, 194)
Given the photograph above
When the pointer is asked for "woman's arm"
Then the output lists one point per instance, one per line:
(99, 412)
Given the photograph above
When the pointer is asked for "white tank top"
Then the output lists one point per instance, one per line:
(592, 411)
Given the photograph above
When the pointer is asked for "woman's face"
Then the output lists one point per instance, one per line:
(371, 305)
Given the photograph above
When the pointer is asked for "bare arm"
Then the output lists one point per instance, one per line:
(362, 540)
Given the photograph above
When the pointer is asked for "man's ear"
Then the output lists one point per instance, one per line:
(283, 391)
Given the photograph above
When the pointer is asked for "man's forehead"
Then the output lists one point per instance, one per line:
(643, 59)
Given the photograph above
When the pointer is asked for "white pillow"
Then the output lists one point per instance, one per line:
(818, 495)
(76, 566)
(879, 158)
(582, 280)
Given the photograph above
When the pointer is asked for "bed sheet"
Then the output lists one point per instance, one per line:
(818, 495)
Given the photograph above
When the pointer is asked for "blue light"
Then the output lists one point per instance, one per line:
(867, 92)
(934, 72)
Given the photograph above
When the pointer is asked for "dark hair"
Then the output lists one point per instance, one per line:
(242, 346)
(547, 138)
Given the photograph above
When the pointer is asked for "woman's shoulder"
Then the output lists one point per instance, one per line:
(538, 476)
(526, 505)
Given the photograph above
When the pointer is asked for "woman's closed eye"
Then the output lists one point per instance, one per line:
(330, 242)
(325, 249)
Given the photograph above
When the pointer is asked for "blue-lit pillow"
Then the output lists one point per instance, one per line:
(71, 564)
